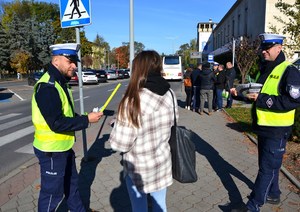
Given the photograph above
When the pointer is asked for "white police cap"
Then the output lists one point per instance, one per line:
(268, 40)
(68, 50)
(216, 63)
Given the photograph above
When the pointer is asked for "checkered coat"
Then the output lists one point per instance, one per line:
(147, 157)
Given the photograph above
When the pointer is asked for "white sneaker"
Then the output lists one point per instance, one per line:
(188, 108)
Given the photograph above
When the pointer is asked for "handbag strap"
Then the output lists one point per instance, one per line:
(175, 121)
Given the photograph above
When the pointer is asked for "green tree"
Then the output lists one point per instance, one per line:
(185, 52)
(138, 47)
(100, 46)
(4, 50)
(291, 25)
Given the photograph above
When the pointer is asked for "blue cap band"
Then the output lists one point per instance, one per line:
(64, 52)
(279, 41)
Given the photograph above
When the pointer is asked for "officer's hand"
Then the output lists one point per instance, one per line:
(233, 91)
(94, 116)
(252, 96)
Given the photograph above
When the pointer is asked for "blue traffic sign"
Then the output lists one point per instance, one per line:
(74, 13)
(210, 58)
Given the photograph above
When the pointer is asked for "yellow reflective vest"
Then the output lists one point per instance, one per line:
(44, 138)
(266, 117)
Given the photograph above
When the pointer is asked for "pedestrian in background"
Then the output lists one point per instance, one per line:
(55, 123)
(220, 86)
(188, 87)
(207, 80)
(215, 70)
(230, 77)
(273, 114)
(195, 77)
(142, 131)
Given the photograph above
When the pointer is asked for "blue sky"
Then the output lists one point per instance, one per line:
(161, 25)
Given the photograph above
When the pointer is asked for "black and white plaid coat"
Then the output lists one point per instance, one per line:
(147, 158)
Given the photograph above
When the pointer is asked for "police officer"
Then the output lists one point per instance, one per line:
(55, 123)
(273, 114)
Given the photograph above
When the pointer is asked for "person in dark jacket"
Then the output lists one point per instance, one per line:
(230, 76)
(215, 70)
(273, 114)
(195, 77)
(207, 80)
(55, 123)
(220, 86)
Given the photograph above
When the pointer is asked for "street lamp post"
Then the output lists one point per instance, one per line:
(233, 51)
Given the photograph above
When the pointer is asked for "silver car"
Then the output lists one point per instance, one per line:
(111, 74)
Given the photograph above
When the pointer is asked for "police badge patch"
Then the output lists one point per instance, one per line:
(294, 91)
(269, 103)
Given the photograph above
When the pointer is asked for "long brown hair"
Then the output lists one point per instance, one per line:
(144, 63)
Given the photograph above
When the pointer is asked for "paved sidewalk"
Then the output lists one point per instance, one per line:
(226, 167)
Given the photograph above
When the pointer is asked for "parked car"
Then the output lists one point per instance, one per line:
(74, 79)
(125, 73)
(34, 77)
(101, 75)
(111, 74)
(120, 74)
(89, 77)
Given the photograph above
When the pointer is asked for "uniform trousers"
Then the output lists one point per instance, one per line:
(270, 154)
(59, 179)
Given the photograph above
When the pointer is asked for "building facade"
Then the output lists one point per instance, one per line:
(245, 18)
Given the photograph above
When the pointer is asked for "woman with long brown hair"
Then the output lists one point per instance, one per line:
(142, 131)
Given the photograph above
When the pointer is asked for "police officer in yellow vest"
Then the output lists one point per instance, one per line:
(55, 123)
(273, 116)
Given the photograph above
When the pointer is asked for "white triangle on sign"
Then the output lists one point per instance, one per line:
(74, 10)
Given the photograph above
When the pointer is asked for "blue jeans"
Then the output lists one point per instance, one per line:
(219, 98)
(229, 101)
(59, 177)
(139, 202)
(270, 154)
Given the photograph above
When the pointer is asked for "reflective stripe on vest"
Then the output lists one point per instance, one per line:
(266, 117)
(44, 138)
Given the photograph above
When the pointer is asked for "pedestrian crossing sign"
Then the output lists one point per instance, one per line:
(74, 13)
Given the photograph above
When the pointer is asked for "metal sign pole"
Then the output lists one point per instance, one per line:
(131, 34)
(81, 95)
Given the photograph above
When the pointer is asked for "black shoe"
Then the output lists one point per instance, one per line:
(241, 209)
(272, 200)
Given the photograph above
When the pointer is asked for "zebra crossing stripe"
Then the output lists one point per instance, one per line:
(15, 122)
(9, 116)
(28, 149)
(16, 135)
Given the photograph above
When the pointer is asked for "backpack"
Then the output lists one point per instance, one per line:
(187, 82)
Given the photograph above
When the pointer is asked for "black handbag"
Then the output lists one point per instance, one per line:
(183, 152)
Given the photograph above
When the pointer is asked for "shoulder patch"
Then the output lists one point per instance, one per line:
(294, 91)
